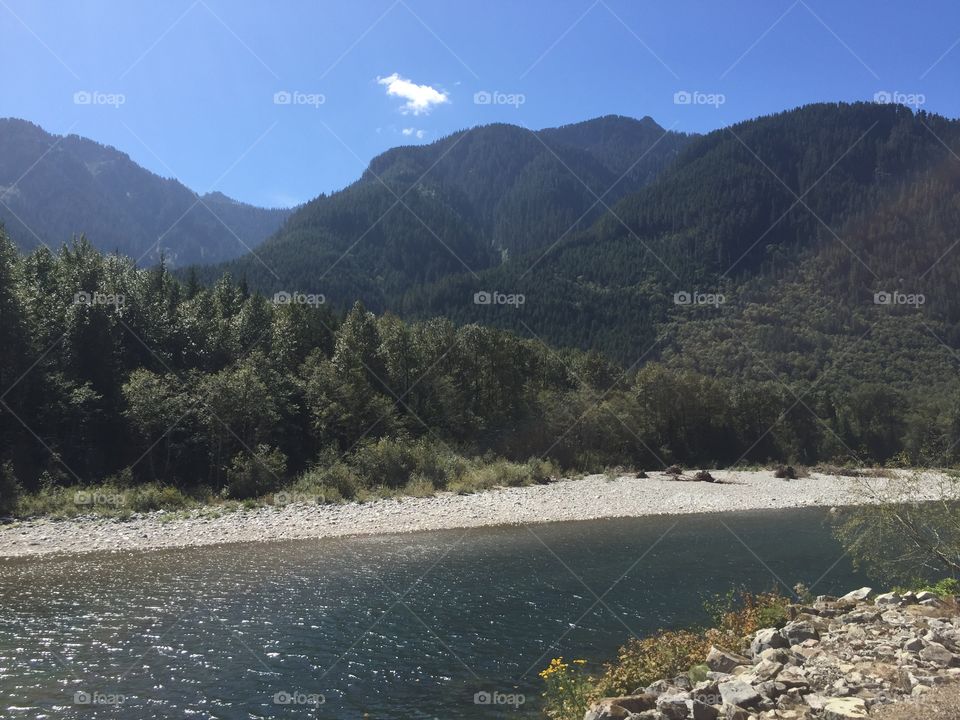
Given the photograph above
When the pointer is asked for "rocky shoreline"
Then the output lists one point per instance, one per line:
(589, 498)
(837, 658)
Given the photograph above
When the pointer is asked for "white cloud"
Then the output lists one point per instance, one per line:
(420, 99)
(419, 134)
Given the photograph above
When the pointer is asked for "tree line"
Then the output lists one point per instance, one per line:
(107, 371)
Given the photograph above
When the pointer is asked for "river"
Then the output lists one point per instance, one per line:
(394, 627)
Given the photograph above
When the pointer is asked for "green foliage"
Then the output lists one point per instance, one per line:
(896, 538)
(9, 489)
(490, 192)
(674, 652)
(567, 689)
(183, 383)
(255, 474)
(157, 497)
(944, 588)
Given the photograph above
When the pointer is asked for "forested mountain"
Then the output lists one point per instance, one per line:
(125, 374)
(782, 289)
(459, 205)
(797, 220)
(877, 188)
(53, 188)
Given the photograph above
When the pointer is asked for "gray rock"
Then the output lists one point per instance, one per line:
(937, 654)
(617, 708)
(707, 692)
(657, 688)
(673, 707)
(732, 712)
(913, 645)
(793, 677)
(720, 661)
(702, 711)
(926, 595)
(890, 598)
(844, 709)
(799, 630)
(737, 692)
(858, 595)
(767, 638)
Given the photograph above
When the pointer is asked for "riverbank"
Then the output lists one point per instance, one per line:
(589, 498)
(838, 659)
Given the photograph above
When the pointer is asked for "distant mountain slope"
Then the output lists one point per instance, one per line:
(462, 204)
(52, 188)
(798, 219)
(880, 204)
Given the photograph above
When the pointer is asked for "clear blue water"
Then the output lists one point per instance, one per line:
(404, 626)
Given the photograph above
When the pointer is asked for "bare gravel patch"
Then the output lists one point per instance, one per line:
(588, 498)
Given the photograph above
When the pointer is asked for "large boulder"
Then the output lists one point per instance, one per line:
(937, 654)
(673, 707)
(799, 630)
(890, 598)
(858, 595)
(720, 661)
(765, 639)
(739, 693)
(847, 708)
(702, 711)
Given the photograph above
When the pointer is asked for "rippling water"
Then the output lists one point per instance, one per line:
(408, 626)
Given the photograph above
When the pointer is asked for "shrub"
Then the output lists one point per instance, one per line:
(674, 470)
(419, 486)
(785, 472)
(9, 489)
(643, 661)
(386, 461)
(257, 474)
(148, 498)
(334, 481)
(567, 692)
(945, 588)
(740, 613)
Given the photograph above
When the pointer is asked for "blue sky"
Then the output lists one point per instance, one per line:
(189, 88)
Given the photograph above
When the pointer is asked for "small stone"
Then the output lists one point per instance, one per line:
(913, 645)
(890, 598)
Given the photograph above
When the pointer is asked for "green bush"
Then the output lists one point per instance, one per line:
(257, 474)
(148, 498)
(9, 489)
(333, 481)
(386, 461)
(947, 587)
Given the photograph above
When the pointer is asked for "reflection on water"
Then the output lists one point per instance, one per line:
(407, 626)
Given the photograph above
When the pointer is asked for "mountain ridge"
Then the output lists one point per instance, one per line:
(54, 187)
